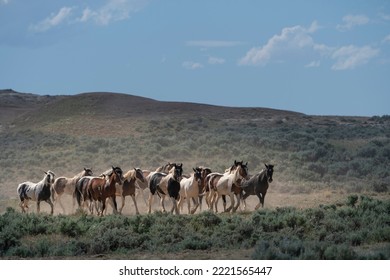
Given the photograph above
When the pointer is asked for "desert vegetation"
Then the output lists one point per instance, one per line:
(356, 229)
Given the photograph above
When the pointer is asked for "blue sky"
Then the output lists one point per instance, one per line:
(316, 57)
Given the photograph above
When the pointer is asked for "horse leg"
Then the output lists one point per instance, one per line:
(189, 205)
(196, 205)
(260, 199)
(231, 203)
(135, 204)
(224, 203)
(123, 204)
(162, 199)
(60, 202)
(113, 198)
(211, 199)
(216, 201)
(238, 203)
(151, 198)
(174, 206)
(38, 206)
(22, 205)
(51, 205)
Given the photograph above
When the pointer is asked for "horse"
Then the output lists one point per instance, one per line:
(165, 168)
(258, 184)
(163, 184)
(203, 187)
(210, 188)
(226, 184)
(99, 189)
(189, 188)
(38, 192)
(129, 187)
(64, 185)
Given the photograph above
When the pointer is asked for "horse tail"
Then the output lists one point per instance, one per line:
(22, 191)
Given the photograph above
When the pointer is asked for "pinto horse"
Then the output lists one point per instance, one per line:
(64, 185)
(227, 185)
(38, 192)
(163, 184)
(129, 187)
(258, 184)
(101, 188)
(189, 188)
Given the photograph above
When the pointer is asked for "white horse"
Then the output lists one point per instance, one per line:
(38, 192)
(227, 185)
(64, 185)
(189, 189)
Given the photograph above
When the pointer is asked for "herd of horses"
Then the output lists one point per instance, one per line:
(93, 192)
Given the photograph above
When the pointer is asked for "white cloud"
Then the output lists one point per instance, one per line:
(349, 57)
(350, 21)
(216, 60)
(53, 20)
(313, 64)
(4, 2)
(213, 43)
(113, 10)
(385, 16)
(291, 38)
(386, 39)
(190, 65)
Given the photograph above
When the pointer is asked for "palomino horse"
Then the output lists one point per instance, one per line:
(227, 183)
(38, 192)
(99, 189)
(129, 187)
(189, 188)
(64, 185)
(163, 184)
(258, 184)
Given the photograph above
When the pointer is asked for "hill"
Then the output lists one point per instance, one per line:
(66, 133)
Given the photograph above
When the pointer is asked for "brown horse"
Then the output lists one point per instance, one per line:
(129, 186)
(99, 189)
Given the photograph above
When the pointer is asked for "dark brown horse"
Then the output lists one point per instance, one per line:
(258, 184)
(101, 188)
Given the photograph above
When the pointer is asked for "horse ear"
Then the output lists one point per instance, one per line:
(266, 165)
(246, 163)
(45, 172)
(113, 168)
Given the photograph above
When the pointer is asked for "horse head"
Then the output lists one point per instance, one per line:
(177, 170)
(198, 175)
(49, 177)
(87, 172)
(117, 173)
(139, 175)
(269, 171)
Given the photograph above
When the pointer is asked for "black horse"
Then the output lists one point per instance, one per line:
(258, 184)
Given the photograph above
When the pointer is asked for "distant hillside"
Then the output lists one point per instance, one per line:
(67, 133)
